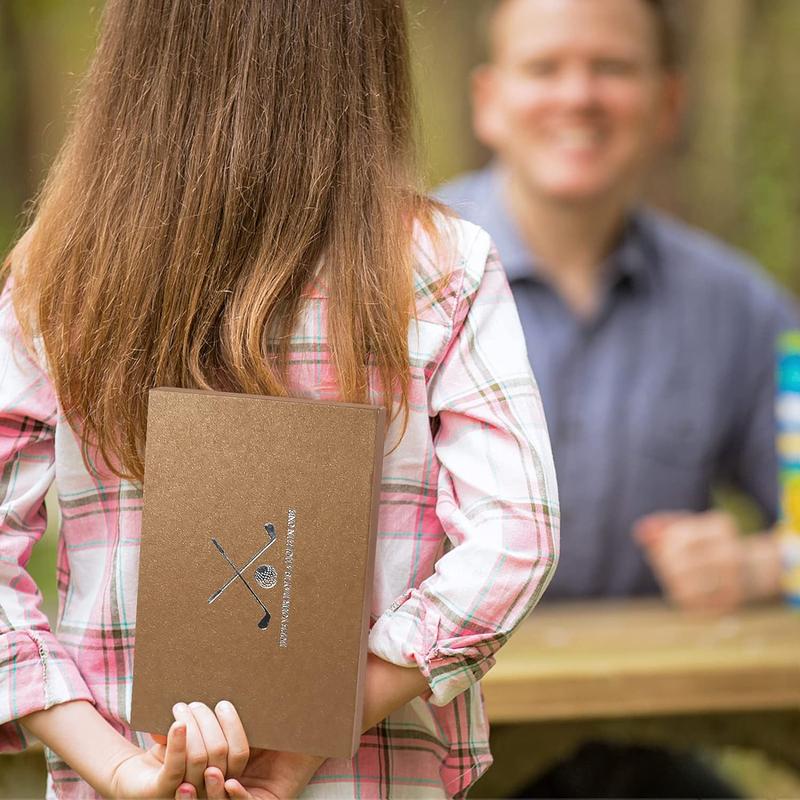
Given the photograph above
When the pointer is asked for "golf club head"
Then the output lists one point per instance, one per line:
(270, 529)
(265, 621)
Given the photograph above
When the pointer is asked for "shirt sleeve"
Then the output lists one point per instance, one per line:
(35, 671)
(752, 459)
(496, 495)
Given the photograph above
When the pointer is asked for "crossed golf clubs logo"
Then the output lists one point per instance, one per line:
(266, 575)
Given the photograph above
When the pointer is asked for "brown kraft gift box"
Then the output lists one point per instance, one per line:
(256, 564)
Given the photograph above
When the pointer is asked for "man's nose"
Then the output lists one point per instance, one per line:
(577, 88)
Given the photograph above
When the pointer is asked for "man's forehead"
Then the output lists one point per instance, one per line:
(518, 26)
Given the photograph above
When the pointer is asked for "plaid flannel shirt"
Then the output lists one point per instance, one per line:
(467, 535)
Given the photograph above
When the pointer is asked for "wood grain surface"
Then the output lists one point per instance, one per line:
(588, 660)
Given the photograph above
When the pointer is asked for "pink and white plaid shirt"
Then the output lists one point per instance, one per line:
(468, 533)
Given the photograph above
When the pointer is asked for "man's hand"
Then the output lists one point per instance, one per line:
(704, 563)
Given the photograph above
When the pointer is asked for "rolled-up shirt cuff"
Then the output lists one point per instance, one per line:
(409, 634)
(36, 673)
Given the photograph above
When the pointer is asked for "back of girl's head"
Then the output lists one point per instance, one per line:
(219, 150)
(253, 85)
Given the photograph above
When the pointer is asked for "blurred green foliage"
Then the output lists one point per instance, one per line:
(45, 46)
(771, 189)
(734, 171)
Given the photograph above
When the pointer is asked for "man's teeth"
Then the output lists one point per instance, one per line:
(578, 138)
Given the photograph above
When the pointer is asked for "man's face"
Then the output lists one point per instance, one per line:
(576, 101)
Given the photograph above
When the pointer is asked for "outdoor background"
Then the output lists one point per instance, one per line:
(734, 171)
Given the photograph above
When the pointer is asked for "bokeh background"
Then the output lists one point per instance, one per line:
(734, 170)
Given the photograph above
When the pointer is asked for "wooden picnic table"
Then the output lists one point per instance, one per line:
(635, 671)
(640, 670)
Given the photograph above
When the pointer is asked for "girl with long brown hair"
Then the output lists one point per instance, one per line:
(234, 209)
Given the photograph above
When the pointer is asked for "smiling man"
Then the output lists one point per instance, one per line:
(653, 343)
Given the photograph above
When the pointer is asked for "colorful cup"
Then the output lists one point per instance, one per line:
(787, 411)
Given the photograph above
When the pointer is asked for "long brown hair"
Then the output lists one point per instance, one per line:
(221, 151)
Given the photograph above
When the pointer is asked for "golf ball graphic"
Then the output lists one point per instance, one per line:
(266, 576)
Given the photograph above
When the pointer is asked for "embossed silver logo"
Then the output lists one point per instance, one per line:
(266, 575)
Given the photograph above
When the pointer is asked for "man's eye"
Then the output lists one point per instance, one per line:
(614, 67)
(541, 68)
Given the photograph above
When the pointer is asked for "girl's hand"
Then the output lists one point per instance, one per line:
(154, 773)
(198, 739)
(269, 775)
(215, 739)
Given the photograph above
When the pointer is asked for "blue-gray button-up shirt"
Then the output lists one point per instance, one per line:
(667, 392)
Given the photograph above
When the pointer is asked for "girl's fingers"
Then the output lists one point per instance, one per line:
(215, 784)
(232, 728)
(216, 744)
(174, 755)
(196, 757)
(186, 792)
(159, 746)
(236, 791)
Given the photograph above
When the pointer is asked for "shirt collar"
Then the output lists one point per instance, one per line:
(635, 257)
(632, 261)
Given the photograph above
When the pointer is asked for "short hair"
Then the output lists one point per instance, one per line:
(668, 39)
(667, 31)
